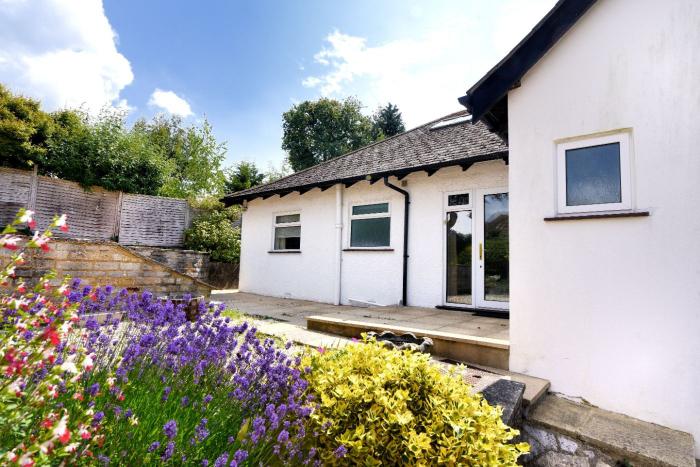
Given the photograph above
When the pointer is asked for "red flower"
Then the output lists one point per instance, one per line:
(52, 335)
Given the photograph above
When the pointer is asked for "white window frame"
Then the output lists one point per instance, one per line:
(461, 207)
(275, 225)
(623, 138)
(368, 216)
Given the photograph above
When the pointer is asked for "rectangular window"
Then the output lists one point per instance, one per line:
(370, 225)
(594, 174)
(287, 230)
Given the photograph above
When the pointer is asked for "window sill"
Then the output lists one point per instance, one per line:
(597, 215)
(368, 249)
(284, 251)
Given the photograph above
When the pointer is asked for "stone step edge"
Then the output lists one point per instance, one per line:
(614, 450)
(447, 336)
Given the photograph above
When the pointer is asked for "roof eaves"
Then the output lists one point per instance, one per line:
(465, 162)
(494, 85)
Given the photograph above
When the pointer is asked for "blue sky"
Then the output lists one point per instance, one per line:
(242, 64)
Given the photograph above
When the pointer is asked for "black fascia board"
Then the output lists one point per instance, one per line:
(493, 87)
(234, 198)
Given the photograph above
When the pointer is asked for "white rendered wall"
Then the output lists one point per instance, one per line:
(374, 276)
(609, 309)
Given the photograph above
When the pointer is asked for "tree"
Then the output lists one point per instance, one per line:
(24, 131)
(213, 230)
(387, 121)
(317, 131)
(192, 155)
(242, 176)
(103, 151)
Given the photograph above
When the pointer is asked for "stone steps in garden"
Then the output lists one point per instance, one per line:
(564, 432)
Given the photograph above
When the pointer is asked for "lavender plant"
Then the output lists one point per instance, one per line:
(170, 391)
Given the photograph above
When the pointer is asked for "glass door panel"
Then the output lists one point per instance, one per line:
(495, 261)
(459, 258)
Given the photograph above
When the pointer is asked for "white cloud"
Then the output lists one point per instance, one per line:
(63, 52)
(170, 102)
(423, 72)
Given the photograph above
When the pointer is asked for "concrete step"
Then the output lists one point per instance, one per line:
(618, 436)
(461, 347)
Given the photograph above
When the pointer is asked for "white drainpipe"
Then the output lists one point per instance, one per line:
(338, 240)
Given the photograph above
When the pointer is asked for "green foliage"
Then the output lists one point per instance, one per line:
(387, 121)
(396, 408)
(24, 131)
(317, 131)
(213, 231)
(161, 156)
(103, 151)
(192, 156)
(242, 176)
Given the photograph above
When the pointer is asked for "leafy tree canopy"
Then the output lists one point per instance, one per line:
(161, 156)
(242, 176)
(316, 131)
(387, 121)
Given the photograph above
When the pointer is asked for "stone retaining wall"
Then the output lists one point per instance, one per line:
(103, 263)
(551, 449)
(193, 263)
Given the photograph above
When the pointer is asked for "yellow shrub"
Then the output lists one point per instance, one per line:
(396, 408)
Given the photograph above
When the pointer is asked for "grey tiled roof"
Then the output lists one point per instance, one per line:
(418, 149)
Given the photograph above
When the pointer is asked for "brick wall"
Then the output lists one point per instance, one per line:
(103, 263)
(190, 262)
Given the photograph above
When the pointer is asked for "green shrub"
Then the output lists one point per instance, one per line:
(213, 232)
(381, 406)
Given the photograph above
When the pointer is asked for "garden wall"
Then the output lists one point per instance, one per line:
(193, 263)
(95, 213)
(103, 263)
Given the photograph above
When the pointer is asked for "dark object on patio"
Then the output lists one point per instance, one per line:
(406, 341)
(509, 395)
(191, 308)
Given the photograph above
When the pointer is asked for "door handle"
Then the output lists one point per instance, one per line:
(481, 251)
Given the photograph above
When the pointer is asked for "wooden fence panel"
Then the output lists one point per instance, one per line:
(15, 187)
(91, 213)
(153, 220)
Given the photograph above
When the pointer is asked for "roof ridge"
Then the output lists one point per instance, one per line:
(374, 143)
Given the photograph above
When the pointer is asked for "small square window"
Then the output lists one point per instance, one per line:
(594, 174)
(370, 226)
(287, 232)
(461, 199)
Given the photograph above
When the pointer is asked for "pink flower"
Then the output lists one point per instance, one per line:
(10, 242)
(41, 241)
(61, 430)
(321, 350)
(61, 223)
(27, 217)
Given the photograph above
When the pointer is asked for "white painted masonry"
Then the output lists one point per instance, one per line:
(373, 276)
(609, 309)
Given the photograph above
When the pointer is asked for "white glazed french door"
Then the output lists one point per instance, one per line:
(475, 255)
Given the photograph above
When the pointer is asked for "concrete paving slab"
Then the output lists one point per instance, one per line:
(615, 434)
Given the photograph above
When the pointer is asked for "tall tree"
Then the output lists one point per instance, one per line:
(242, 176)
(192, 155)
(316, 131)
(387, 121)
(24, 131)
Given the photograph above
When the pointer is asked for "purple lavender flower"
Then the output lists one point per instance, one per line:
(170, 429)
(207, 399)
(184, 401)
(154, 445)
(97, 418)
(283, 437)
(93, 389)
(340, 452)
(240, 456)
(169, 450)
(221, 460)
(166, 393)
(200, 430)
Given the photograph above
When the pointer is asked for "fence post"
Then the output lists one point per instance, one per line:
(118, 216)
(33, 185)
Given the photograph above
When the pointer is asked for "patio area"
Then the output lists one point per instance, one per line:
(457, 335)
(426, 319)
